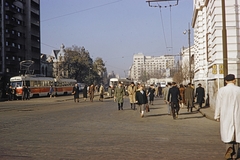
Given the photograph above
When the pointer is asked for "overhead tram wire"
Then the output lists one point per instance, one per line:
(164, 36)
(159, 6)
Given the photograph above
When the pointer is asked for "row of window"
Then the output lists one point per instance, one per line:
(19, 46)
(19, 10)
(13, 58)
(13, 32)
(7, 17)
(154, 59)
(46, 83)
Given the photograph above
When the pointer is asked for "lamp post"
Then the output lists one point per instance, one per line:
(189, 49)
(89, 73)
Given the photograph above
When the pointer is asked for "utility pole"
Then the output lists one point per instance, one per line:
(189, 54)
(190, 59)
(224, 41)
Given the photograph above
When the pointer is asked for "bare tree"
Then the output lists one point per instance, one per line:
(185, 70)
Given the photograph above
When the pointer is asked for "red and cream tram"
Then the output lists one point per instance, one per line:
(39, 86)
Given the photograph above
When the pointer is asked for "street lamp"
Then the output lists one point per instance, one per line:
(189, 48)
(89, 73)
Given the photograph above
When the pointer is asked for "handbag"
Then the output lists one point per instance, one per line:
(203, 100)
(147, 108)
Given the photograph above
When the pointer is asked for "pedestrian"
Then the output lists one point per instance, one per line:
(109, 91)
(75, 92)
(182, 90)
(228, 112)
(173, 98)
(85, 91)
(24, 92)
(91, 91)
(156, 91)
(132, 94)
(200, 94)
(51, 91)
(165, 97)
(189, 97)
(160, 91)
(119, 94)
(101, 92)
(28, 93)
(10, 93)
(141, 100)
(151, 91)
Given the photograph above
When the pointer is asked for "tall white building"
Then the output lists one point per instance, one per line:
(208, 43)
(153, 66)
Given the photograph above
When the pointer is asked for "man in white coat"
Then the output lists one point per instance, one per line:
(228, 112)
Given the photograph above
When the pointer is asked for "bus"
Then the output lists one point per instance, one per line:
(163, 84)
(39, 86)
(114, 81)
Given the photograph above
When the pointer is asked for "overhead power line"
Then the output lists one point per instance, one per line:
(91, 8)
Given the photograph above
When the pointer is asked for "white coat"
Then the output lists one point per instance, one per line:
(228, 110)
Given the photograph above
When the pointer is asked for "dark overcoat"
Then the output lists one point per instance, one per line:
(200, 94)
(75, 92)
(174, 94)
(141, 97)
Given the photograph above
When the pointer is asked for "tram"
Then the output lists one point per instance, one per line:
(39, 86)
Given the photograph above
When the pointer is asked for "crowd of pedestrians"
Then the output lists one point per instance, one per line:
(11, 93)
(176, 96)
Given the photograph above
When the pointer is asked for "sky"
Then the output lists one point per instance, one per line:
(115, 30)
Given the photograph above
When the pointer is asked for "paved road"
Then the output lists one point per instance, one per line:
(59, 129)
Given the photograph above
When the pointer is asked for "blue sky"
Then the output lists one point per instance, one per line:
(115, 30)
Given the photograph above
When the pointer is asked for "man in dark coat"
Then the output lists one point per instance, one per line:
(10, 93)
(85, 91)
(75, 93)
(174, 93)
(200, 94)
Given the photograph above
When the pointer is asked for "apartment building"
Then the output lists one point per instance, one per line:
(20, 37)
(153, 66)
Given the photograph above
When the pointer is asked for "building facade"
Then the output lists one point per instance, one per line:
(155, 67)
(20, 37)
(208, 43)
(58, 58)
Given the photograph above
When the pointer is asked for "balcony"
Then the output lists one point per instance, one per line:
(35, 44)
(11, 9)
(11, 23)
(11, 36)
(11, 49)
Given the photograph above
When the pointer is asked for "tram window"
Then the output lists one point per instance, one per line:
(17, 84)
(35, 83)
(42, 83)
(31, 83)
(39, 83)
(26, 83)
(49, 83)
